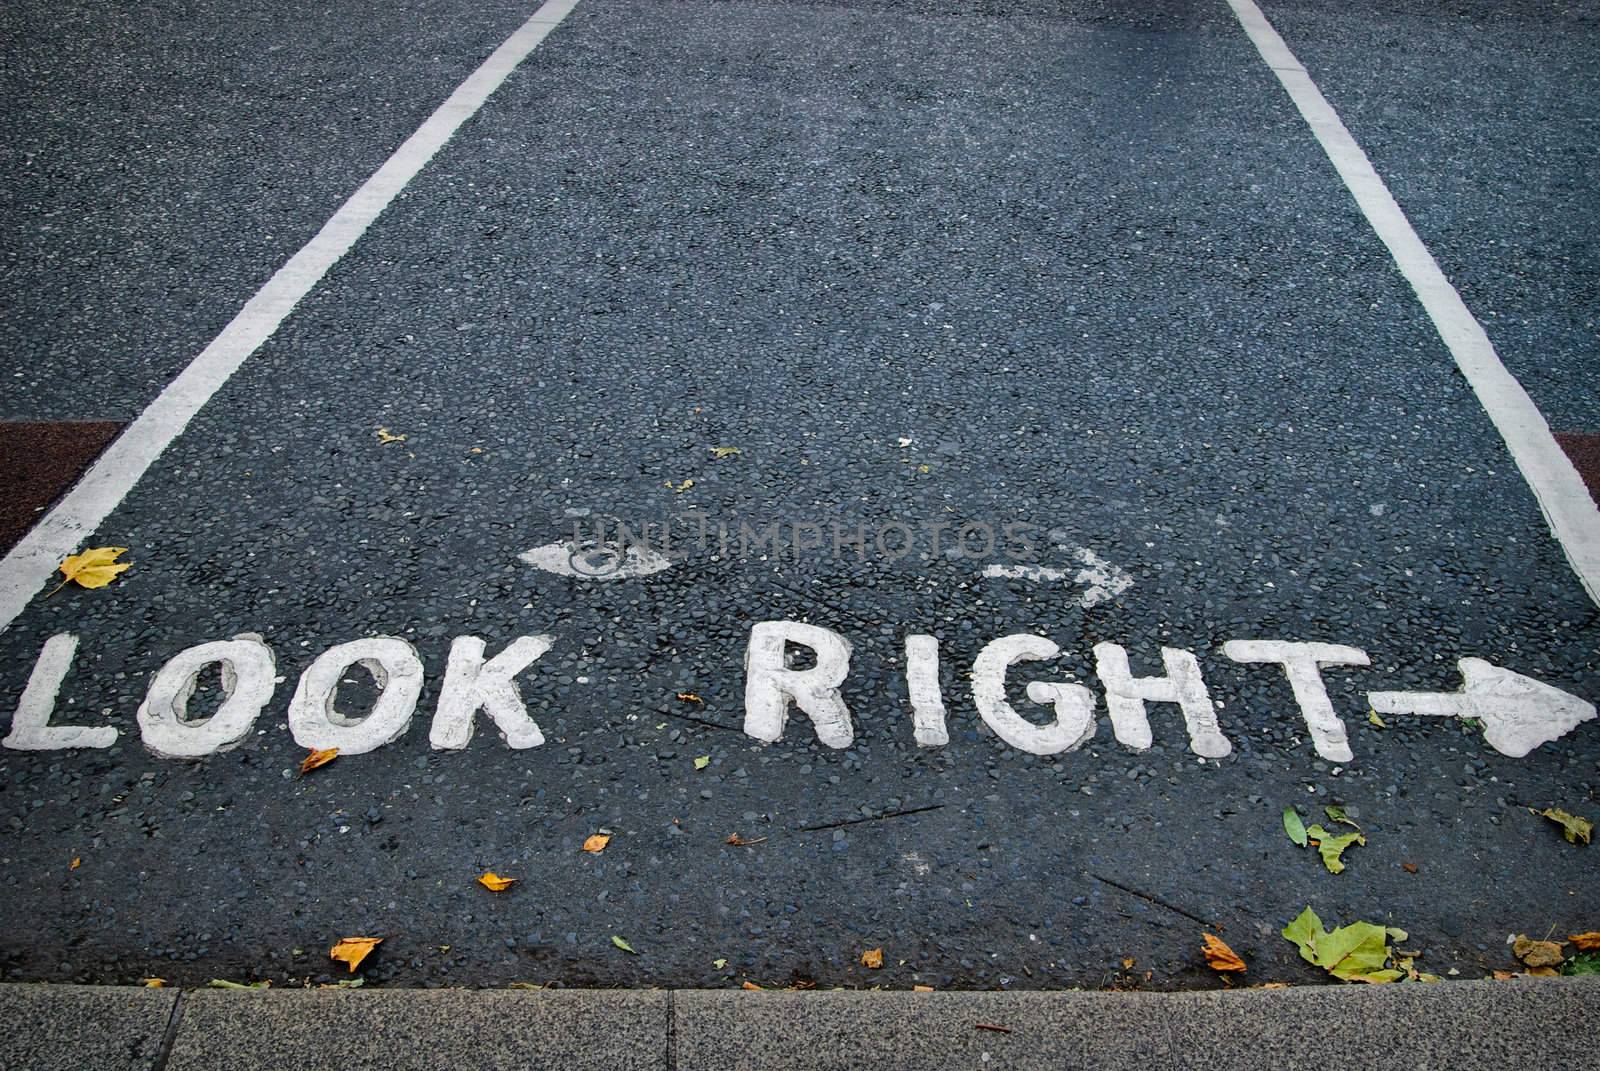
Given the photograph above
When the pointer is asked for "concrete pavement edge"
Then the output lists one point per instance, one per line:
(1529, 1024)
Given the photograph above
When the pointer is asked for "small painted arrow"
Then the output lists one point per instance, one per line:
(1518, 713)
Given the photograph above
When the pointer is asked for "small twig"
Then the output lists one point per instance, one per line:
(868, 818)
(991, 1026)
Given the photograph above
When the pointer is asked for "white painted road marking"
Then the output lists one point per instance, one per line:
(1302, 663)
(30, 725)
(1101, 580)
(31, 562)
(596, 561)
(1572, 514)
(1518, 713)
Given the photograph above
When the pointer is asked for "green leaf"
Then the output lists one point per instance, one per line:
(1358, 952)
(1336, 813)
(1373, 719)
(223, 983)
(702, 762)
(1572, 826)
(1582, 963)
(719, 963)
(1332, 847)
(1303, 932)
(1293, 826)
(625, 946)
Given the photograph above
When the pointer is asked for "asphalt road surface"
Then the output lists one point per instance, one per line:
(1041, 318)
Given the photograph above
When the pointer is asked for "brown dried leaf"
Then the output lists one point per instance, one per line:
(1409, 868)
(751, 985)
(75, 864)
(1537, 953)
(1219, 957)
(597, 843)
(689, 697)
(318, 758)
(922, 989)
(494, 882)
(740, 842)
(1586, 942)
(1502, 976)
(1128, 962)
(352, 950)
(872, 958)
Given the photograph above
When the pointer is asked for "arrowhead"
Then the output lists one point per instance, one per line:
(1519, 713)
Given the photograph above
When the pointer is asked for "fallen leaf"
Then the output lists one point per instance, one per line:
(922, 989)
(719, 963)
(1537, 953)
(1502, 976)
(1274, 985)
(625, 946)
(1219, 957)
(1373, 719)
(1336, 813)
(153, 983)
(494, 882)
(525, 985)
(596, 843)
(94, 568)
(75, 864)
(680, 488)
(223, 983)
(740, 842)
(720, 452)
(1332, 847)
(689, 697)
(1127, 963)
(702, 762)
(750, 985)
(385, 437)
(344, 983)
(352, 950)
(1542, 972)
(1409, 868)
(872, 958)
(1293, 826)
(318, 758)
(1572, 826)
(1586, 942)
(1358, 952)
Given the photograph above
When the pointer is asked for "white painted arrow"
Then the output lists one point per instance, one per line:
(1518, 713)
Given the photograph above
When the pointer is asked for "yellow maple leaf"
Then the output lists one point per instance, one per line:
(1586, 942)
(94, 568)
(596, 843)
(494, 882)
(352, 950)
(75, 864)
(872, 958)
(318, 758)
(1219, 957)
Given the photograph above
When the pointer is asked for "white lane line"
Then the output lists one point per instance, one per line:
(1571, 513)
(32, 561)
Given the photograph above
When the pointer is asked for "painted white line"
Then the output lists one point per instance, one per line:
(1571, 513)
(32, 561)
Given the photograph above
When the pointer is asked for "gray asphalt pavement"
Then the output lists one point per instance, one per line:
(870, 273)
